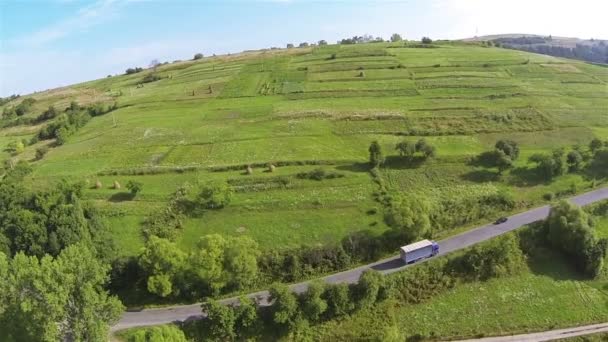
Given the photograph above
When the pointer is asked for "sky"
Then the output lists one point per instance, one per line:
(51, 43)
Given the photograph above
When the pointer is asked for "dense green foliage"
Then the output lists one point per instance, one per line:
(569, 230)
(52, 299)
(46, 222)
(217, 264)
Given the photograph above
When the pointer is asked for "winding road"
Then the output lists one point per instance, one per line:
(165, 315)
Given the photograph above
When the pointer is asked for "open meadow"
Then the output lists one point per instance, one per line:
(304, 109)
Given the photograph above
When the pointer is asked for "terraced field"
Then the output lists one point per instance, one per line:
(319, 107)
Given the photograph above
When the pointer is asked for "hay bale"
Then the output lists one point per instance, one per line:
(98, 184)
(249, 170)
(116, 185)
(271, 168)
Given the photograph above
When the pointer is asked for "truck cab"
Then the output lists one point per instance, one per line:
(435, 248)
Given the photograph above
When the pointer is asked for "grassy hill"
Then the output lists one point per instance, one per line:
(318, 107)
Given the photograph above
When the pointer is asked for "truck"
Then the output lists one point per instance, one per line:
(419, 250)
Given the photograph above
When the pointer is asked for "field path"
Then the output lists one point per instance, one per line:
(165, 315)
(548, 335)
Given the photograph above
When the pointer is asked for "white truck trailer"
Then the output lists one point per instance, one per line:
(419, 250)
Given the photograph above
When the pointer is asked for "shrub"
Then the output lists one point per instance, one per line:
(498, 257)
(367, 289)
(549, 196)
(426, 40)
(130, 71)
(376, 157)
(41, 152)
(319, 174)
(339, 303)
(421, 283)
(396, 37)
(509, 147)
(198, 56)
(214, 196)
(134, 187)
(150, 78)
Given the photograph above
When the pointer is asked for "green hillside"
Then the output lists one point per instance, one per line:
(302, 109)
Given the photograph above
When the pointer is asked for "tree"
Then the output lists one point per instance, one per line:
(503, 161)
(206, 263)
(569, 230)
(198, 56)
(130, 71)
(410, 216)
(368, 288)
(134, 187)
(161, 333)
(427, 150)
(241, 261)
(396, 37)
(312, 302)
(322, 42)
(303, 44)
(595, 144)
(375, 154)
(574, 159)
(161, 260)
(338, 300)
(509, 148)
(214, 195)
(220, 321)
(56, 299)
(406, 149)
(549, 166)
(426, 40)
(289, 46)
(154, 64)
(41, 152)
(284, 309)
(247, 319)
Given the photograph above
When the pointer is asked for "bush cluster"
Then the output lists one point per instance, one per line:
(319, 174)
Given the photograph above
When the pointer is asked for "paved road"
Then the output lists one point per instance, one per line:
(386, 266)
(548, 335)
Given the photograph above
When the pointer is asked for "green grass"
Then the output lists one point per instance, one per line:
(548, 296)
(299, 105)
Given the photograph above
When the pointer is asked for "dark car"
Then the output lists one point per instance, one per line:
(501, 220)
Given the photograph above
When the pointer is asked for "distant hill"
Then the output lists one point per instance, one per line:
(590, 50)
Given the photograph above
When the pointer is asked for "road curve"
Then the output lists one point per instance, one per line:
(165, 315)
(548, 335)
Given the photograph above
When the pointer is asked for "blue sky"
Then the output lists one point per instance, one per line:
(51, 43)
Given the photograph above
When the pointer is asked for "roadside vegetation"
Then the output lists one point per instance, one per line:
(519, 282)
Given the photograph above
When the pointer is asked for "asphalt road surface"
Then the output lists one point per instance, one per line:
(548, 335)
(165, 315)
